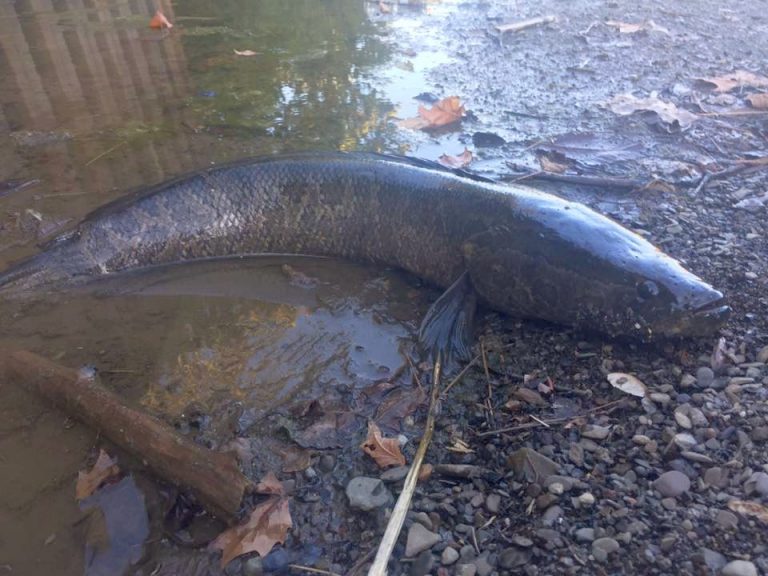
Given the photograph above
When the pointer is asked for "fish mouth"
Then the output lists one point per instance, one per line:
(704, 320)
(714, 311)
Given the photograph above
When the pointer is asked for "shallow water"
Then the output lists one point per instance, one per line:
(94, 103)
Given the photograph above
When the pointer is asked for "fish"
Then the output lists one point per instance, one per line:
(523, 252)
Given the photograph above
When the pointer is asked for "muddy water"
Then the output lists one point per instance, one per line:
(93, 103)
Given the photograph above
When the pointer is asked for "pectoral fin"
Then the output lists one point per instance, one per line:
(449, 322)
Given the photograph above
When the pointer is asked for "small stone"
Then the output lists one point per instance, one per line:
(419, 539)
(586, 499)
(584, 534)
(713, 559)
(739, 568)
(423, 519)
(682, 419)
(422, 565)
(704, 376)
(253, 567)
(493, 503)
(466, 570)
(551, 515)
(759, 434)
(727, 519)
(669, 503)
(513, 558)
(394, 474)
(367, 493)
(672, 484)
(696, 457)
(602, 547)
(556, 488)
(483, 566)
(716, 477)
(327, 463)
(757, 482)
(522, 541)
(276, 561)
(685, 441)
(687, 380)
(449, 556)
(595, 432)
(762, 355)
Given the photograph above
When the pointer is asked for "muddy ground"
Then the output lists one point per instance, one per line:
(607, 484)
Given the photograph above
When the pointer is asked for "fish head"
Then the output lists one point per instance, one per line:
(587, 271)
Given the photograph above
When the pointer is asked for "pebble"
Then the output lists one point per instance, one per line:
(696, 457)
(704, 376)
(253, 567)
(584, 534)
(727, 519)
(367, 493)
(395, 474)
(276, 561)
(586, 499)
(739, 568)
(672, 484)
(419, 539)
(551, 515)
(422, 565)
(759, 434)
(716, 477)
(513, 558)
(602, 547)
(449, 556)
(762, 355)
(595, 432)
(522, 541)
(757, 482)
(685, 441)
(466, 570)
(493, 503)
(713, 559)
(482, 565)
(682, 419)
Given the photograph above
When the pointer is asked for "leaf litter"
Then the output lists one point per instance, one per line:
(104, 469)
(267, 525)
(668, 113)
(446, 112)
(384, 451)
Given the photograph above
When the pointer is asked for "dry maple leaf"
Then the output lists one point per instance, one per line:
(736, 79)
(89, 482)
(385, 451)
(445, 112)
(267, 525)
(159, 21)
(461, 161)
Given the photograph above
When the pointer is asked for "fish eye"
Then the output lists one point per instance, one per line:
(647, 289)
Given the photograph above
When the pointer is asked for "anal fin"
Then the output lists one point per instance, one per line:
(448, 324)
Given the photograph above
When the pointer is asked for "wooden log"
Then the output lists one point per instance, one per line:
(213, 477)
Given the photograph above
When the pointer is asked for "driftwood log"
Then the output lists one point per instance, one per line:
(213, 477)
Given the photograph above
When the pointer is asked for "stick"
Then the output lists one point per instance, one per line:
(395, 524)
(213, 477)
(523, 24)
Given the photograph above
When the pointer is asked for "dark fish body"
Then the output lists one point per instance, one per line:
(526, 253)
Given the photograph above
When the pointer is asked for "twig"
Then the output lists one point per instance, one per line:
(414, 372)
(460, 375)
(488, 402)
(395, 524)
(313, 570)
(597, 181)
(474, 541)
(115, 147)
(542, 422)
(524, 24)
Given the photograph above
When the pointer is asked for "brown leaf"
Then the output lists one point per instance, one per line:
(529, 396)
(267, 525)
(737, 79)
(445, 112)
(758, 101)
(529, 465)
(548, 164)
(460, 161)
(749, 509)
(385, 451)
(159, 21)
(626, 104)
(269, 485)
(88, 482)
(425, 472)
(296, 459)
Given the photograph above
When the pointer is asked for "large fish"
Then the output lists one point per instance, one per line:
(523, 252)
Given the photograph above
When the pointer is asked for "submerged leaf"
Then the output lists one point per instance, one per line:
(445, 112)
(626, 104)
(628, 384)
(736, 79)
(461, 161)
(758, 101)
(385, 451)
(88, 482)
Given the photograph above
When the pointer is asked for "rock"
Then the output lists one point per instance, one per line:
(327, 463)
(531, 466)
(704, 376)
(276, 561)
(493, 503)
(449, 556)
(466, 570)
(602, 547)
(759, 434)
(367, 494)
(419, 539)
(727, 519)
(587, 499)
(394, 474)
(685, 441)
(672, 484)
(682, 419)
(595, 432)
(253, 567)
(762, 355)
(757, 482)
(423, 519)
(716, 477)
(522, 541)
(422, 565)
(714, 560)
(482, 565)
(551, 515)
(739, 568)
(513, 558)
(584, 534)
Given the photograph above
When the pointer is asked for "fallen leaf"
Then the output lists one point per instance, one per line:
(296, 459)
(531, 466)
(425, 472)
(461, 161)
(159, 21)
(758, 101)
(445, 112)
(626, 28)
(267, 525)
(385, 451)
(549, 164)
(737, 79)
(626, 104)
(385, 8)
(752, 509)
(529, 396)
(245, 53)
(628, 384)
(88, 482)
